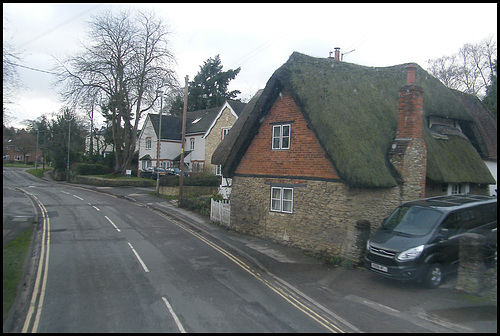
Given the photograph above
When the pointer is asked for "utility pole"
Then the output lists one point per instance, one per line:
(158, 152)
(69, 144)
(184, 111)
(36, 160)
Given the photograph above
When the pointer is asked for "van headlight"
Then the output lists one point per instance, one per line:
(411, 254)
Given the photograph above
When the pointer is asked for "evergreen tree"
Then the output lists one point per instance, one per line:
(58, 141)
(208, 88)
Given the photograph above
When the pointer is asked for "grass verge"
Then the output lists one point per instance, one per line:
(14, 254)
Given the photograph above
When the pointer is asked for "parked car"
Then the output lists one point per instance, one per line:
(152, 172)
(176, 171)
(420, 239)
(146, 173)
(158, 172)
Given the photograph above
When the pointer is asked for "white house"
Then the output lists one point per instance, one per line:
(204, 131)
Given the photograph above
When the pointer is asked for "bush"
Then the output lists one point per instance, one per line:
(203, 181)
(91, 169)
(195, 181)
(198, 204)
(169, 181)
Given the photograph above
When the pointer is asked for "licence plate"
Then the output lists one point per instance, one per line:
(379, 267)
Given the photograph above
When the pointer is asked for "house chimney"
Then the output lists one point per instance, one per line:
(337, 54)
(410, 73)
(409, 154)
(411, 104)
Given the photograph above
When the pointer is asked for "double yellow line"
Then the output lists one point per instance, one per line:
(285, 294)
(41, 276)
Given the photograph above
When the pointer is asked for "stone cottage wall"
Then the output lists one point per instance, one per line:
(214, 138)
(328, 217)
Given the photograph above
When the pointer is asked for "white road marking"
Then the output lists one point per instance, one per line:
(139, 258)
(116, 227)
(78, 197)
(94, 207)
(179, 324)
(65, 192)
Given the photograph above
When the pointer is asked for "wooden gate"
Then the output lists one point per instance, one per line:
(220, 211)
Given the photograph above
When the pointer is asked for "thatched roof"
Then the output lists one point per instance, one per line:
(484, 129)
(352, 110)
(230, 148)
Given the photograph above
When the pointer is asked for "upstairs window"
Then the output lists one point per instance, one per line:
(224, 132)
(218, 170)
(281, 136)
(148, 143)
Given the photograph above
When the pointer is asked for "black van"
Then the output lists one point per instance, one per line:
(419, 240)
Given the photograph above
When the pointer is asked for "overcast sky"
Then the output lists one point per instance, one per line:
(258, 37)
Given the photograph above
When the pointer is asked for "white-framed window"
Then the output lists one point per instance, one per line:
(148, 143)
(191, 144)
(282, 199)
(224, 132)
(18, 158)
(458, 188)
(281, 136)
(218, 170)
(146, 164)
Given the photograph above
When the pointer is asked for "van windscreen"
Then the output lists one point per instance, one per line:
(413, 220)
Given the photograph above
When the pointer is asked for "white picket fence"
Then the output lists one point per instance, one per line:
(220, 211)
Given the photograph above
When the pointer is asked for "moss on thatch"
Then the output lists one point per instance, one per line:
(352, 109)
(454, 160)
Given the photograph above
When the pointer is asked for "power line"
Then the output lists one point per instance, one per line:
(30, 68)
(60, 25)
(262, 47)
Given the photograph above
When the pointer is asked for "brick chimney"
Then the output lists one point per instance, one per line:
(409, 151)
(410, 110)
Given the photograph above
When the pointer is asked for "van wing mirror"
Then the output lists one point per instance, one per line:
(444, 231)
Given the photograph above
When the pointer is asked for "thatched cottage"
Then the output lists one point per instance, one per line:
(329, 148)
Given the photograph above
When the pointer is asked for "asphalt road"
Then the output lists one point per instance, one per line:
(168, 269)
(109, 265)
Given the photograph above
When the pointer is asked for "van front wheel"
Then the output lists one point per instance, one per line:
(434, 276)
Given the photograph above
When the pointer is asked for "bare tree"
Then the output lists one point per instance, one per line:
(445, 69)
(123, 67)
(469, 70)
(11, 81)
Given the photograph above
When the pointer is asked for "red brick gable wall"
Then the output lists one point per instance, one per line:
(305, 158)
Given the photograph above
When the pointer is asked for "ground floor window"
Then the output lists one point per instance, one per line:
(282, 199)
(146, 164)
(458, 188)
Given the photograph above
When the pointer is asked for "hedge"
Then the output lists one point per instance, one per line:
(91, 169)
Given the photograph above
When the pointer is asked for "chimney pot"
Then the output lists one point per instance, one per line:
(337, 54)
(410, 73)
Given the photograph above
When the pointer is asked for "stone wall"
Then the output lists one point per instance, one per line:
(106, 182)
(476, 274)
(213, 139)
(328, 218)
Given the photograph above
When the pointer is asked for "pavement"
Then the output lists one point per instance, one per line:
(438, 310)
